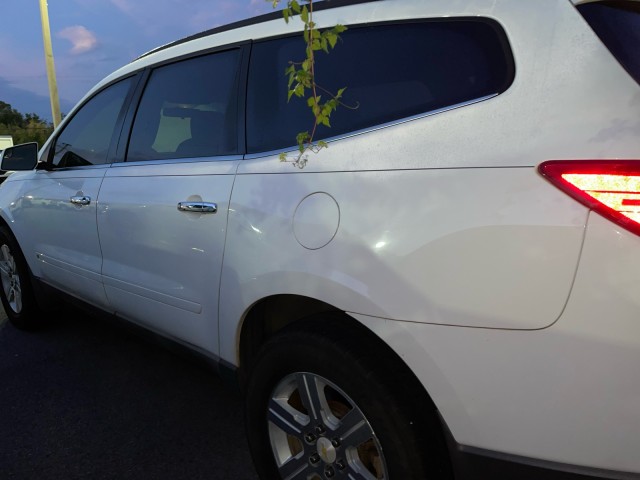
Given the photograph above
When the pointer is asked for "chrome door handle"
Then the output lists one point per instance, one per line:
(198, 207)
(82, 200)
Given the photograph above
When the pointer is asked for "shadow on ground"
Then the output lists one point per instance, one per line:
(86, 398)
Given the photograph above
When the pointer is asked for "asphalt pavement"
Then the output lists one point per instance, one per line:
(85, 398)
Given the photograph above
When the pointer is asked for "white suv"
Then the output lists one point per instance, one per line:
(450, 290)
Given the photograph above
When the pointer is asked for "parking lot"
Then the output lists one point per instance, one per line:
(87, 398)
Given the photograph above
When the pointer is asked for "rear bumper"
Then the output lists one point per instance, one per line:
(471, 463)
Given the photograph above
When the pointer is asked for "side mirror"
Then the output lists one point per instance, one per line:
(20, 158)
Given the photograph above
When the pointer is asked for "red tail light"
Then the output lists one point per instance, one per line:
(611, 188)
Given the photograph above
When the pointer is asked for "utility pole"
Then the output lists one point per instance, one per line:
(51, 71)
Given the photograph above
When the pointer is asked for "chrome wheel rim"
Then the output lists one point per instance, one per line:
(10, 279)
(317, 432)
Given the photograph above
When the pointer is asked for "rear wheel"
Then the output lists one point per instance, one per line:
(16, 294)
(319, 407)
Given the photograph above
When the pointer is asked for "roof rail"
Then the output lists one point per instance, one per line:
(319, 6)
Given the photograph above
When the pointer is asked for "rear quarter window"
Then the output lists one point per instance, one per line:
(618, 26)
(391, 71)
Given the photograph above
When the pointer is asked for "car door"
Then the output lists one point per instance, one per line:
(162, 213)
(59, 206)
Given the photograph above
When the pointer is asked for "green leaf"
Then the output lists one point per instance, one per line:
(292, 75)
(325, 121)
(295, 6)
(304, 14)
(323, 144)
(285, 13)
(324, 45)
(283, 157)
(332, 38)
(303, 77)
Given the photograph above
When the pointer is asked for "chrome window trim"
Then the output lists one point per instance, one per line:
(78, 168)
(224, 158)
(253, 156)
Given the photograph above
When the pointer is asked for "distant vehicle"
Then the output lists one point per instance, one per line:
(450, 290)
(5, 141)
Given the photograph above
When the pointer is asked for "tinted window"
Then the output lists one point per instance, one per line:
(390, 71)
(618, 26)
(86, 138)
(188, 109)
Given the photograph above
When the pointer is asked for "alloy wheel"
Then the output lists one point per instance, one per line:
(10, 279)
(318, 432)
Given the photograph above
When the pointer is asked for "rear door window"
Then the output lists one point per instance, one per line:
(618, 26)
(391, 72)
(189, 109)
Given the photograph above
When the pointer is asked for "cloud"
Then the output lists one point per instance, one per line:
(123, 5)
(82, 40)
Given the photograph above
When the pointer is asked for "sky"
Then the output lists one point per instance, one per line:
(92, 38)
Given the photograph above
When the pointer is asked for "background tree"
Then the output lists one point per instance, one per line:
(23, 128)
(9, 115)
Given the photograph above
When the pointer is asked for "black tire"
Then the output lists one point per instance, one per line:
(363, 393)
(16, 291)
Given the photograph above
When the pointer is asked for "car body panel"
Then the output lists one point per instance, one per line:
(162, 266)
(402, 253)
(61, 242)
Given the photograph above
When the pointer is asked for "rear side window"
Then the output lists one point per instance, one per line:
(188, 109)
(618, 26)
(390, 71)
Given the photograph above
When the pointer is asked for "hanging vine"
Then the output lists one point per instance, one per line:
(302, 78)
